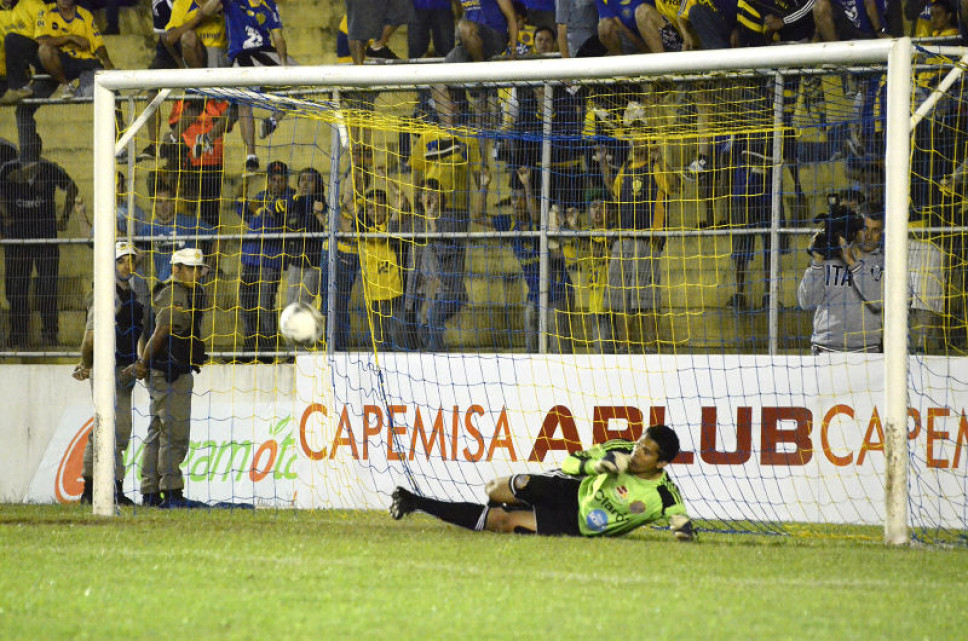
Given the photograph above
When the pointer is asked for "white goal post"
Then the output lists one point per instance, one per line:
(896, 54)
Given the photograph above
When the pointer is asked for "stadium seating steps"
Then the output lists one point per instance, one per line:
(698, 282)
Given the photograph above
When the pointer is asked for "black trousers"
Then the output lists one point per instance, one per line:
(424, 23)
(204, 186)
(257, 297)
(19, 263)
(21, 55)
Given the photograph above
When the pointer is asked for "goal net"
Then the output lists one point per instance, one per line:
(519, 260)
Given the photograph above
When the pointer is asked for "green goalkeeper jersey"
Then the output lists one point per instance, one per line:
(616, 504)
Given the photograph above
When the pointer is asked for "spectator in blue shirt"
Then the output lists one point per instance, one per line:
(487, 28)
(262, 258)
(256, 39)
(138, 218)
(173, 231)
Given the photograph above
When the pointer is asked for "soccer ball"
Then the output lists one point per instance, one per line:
(302, 324)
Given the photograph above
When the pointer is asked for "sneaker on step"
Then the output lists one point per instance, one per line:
(65, 92)
(252, 162)
(13, 96)
(267, 126)
(147, 154)
(383, 52)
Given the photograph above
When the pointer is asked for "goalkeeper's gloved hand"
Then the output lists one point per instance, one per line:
(682, 529)
(612, 463)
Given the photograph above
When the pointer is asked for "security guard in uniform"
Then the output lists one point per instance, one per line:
(131, 302)
(171, 354)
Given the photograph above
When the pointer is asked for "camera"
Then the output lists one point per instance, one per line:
(839, 221)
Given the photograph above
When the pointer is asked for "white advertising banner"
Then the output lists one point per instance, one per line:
(783, 438)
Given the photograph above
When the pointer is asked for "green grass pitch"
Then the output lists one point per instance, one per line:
(286, 574)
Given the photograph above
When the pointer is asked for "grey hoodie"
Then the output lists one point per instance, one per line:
(847, 303)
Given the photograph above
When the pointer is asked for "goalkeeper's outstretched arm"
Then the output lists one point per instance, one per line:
(608, 458)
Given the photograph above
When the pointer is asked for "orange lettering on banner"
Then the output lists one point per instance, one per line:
(314, 455)
(744, 438)
(544, 442)
(454, 429)
(338, 439)
(868, 444)
(961, 440)
(840, 461)
(369, 430)
(936, 435)
(473, 431)
(502, 425)
(916, 415)
(604, 414)
(437, 435)
(255, 474)
(395, 428)
(69, 484)
(771, 435)
(685, 457)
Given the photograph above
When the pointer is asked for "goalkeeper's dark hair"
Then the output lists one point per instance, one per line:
(667, 441)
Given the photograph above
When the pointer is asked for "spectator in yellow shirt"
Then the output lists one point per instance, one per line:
(593, 260)
(382, 276)
(69, 44)
(18, 49)
(453, 161)
(199, 28)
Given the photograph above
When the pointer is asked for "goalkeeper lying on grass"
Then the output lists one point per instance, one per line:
(608, 490)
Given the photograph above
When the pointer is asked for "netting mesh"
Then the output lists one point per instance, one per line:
(524, 269)
(938, 313)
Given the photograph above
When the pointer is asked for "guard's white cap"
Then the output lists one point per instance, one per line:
(190, 257)
(124, 248)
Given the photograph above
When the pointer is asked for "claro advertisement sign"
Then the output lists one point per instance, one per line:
(788, 438)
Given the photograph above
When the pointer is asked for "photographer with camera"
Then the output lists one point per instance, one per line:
(843, 282)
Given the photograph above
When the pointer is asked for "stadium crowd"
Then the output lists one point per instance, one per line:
(616, 178)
